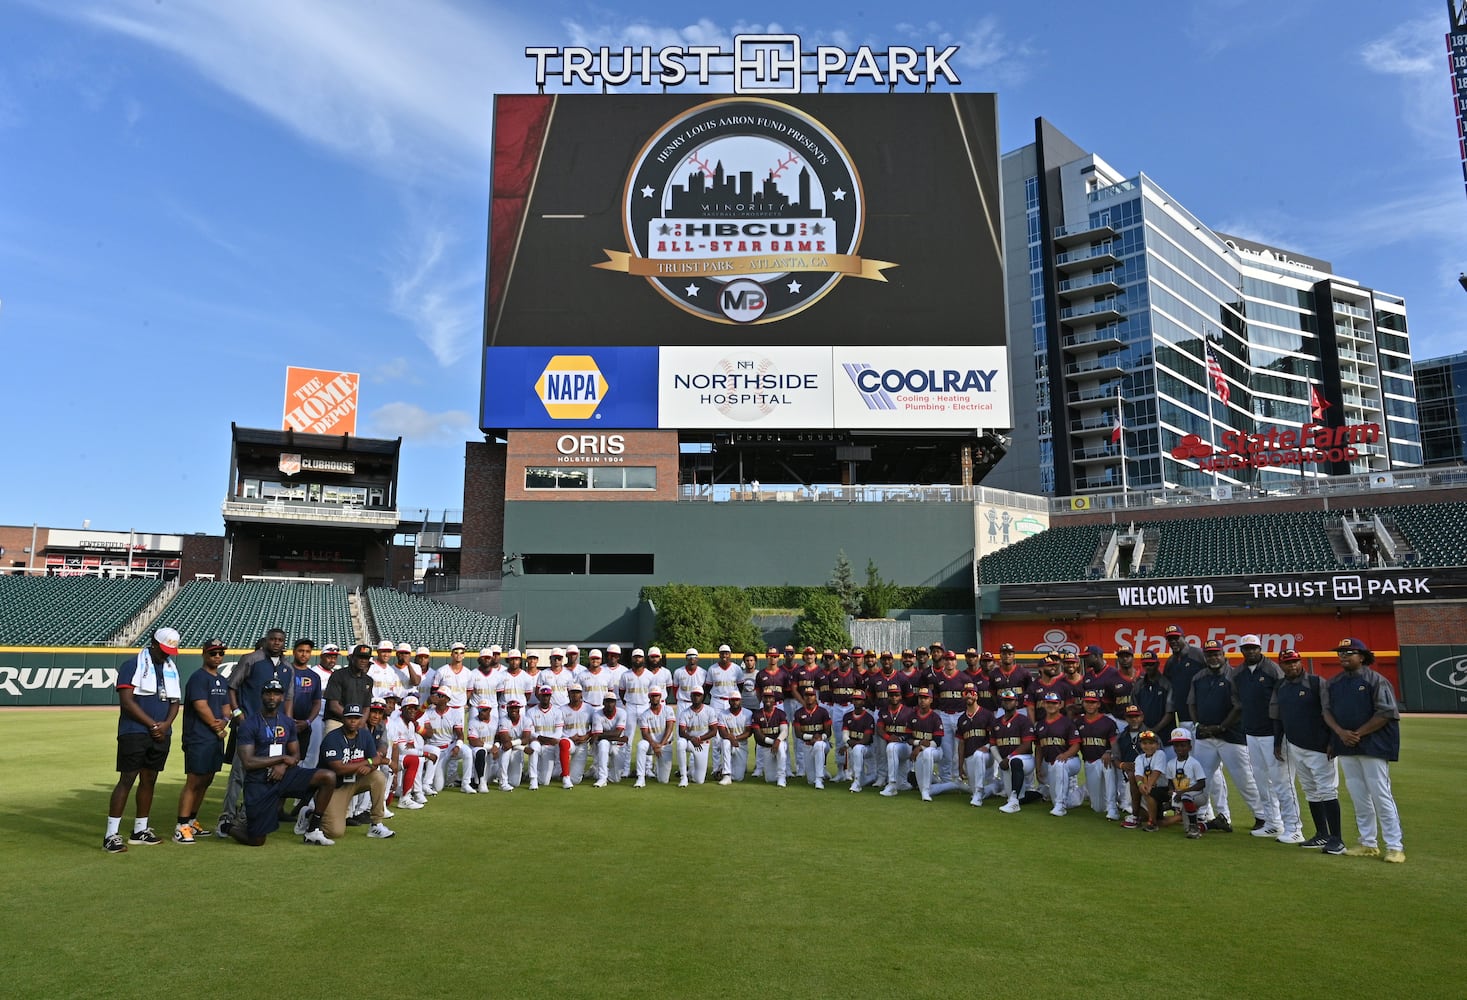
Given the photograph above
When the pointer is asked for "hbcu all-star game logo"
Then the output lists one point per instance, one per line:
(743, 210)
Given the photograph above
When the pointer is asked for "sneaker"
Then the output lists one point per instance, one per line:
(222, 829)
(114, 844)
(855, 787)
(727, 779)
(566, 783)
(303, 823)
(470, 790)
(1259, 824)
(1358, 851)
(319, 838)
(387, 813)
(1129, 823)
(819, 785)
(1011, 806)
(780, 784)
(1220, 824)
(199, 829)
(889, 791)
(1291, 838)
(1149, 828)
(1268, 830)
(1059, 811)
(410, 803)
(430, 791)
(534, 785)
(640, 782)
(1194, 834)
(1334, 847)
(420, 796)
(1394, 857)
(926, 796)
(183, 834)
(505, 786)
(1112, 815)
(1315, 843)
(360, 819)
(599, 783)
(380, 832)
(144, 837)
(682, 783)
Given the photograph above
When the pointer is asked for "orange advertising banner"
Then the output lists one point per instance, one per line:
(321, 402)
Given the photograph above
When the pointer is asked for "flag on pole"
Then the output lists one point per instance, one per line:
(1219, 383)
(1317, 405)
(1115, 431)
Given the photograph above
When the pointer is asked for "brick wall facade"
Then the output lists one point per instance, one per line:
(15, 539)
(482, 552)
(1431, 623)
(604, 449)
(202, 554)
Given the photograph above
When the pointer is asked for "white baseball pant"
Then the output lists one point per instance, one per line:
(1100, 787)
(979, 766)
(950, 750)
(858, 755)
(810, 761)
(838, 715)
(926, 762)
(511, 768)
(1275, 781)
(1369, 782)
(663, 768)
(1214, 755)
(693, 760)
(735, 757)
(1062, 782)
(1319, 775)
(610, 757)
(898, 762)
(773, 762)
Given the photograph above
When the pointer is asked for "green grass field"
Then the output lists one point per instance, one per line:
(739, 891)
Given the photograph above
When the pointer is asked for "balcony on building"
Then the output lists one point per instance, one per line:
(1083, 233)
(333, 515)
(1089, 285)
(1087, 258)
(1098, 312)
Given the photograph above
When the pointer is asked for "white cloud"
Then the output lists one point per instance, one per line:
(404, 87)
(1414, 54)
(437, 287)
(413, 423)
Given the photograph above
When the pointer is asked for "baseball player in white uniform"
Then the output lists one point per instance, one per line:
(659, 739)
(576, 720)
(407, 742)
(733, 740)
(455, 677)
(690, 676)
(635, 683)
(557, 677)
(481, 733)
(514, 683)
(609, 734)
(596, 681)
(544, 736)
(443, 742)
(697, 729)
(511, 738)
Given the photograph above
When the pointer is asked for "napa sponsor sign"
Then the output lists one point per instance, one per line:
(718, 387)
(321, 402)
(547, 387)
(921, 387)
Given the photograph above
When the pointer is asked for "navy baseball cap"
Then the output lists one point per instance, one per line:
(1094, 649)
(1352, 646)
(273, 685)
(1212, 646)
(1051, 696)
(352, 710)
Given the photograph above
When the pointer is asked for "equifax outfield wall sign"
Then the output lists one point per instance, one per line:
(321, 402)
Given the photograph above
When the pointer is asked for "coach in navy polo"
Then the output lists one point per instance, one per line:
(148, 695)
(1360, 708)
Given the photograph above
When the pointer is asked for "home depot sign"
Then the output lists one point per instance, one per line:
(321, 402)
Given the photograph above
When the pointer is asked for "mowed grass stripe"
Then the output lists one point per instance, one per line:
(742, 891)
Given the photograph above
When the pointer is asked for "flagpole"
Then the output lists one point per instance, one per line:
(1211, 411)
(1121, 423)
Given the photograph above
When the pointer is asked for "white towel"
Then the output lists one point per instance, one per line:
(145, 678)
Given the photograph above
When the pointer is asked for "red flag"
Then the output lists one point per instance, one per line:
(1317, 405)
(1115, 432)
(1219, 384)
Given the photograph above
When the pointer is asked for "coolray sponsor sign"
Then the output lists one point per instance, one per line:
(321, 402)
(745, 211)
(713, 387)
(931, 387)
(757, 64)
(530, 387)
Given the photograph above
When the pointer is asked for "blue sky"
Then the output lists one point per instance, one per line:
(195, 194)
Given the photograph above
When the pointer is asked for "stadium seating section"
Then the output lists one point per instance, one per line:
(69, 610)
(424, 622)
(241, 613)
(1233, 545)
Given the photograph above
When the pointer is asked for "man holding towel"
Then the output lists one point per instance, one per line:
(149, 694)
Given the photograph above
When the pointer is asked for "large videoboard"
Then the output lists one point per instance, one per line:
(826, 220)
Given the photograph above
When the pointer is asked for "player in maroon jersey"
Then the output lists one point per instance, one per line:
(1013, 741)
(947, 694)
(859, 734)
(811, 726)
(768, 727)
(1057, 743)
(1128, 671)
(1100, 680)
(893, 728)
(879, 681)
(975, 759)
(1050, 681)
(807, 673)
(927, 731)
(838, 692)
(1009, 674)
(1097, 756)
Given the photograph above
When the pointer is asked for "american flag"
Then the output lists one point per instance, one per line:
(1219, 384)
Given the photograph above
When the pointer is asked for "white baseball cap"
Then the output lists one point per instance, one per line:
(494, 650)
(725, 648)
(572, 648)
(614, 648)
(558, 651)
(457, 645)
(386, 644)
(167, 640)
(655, 690)
(692, 652)
(487, 651)
(638, 652)
(513, 654)
(403, 647)
(594, 654)
(1251, 639)
(654, 651)
(575, 686)
(330, 647)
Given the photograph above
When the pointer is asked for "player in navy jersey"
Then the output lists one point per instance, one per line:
(1301, 740)
(270, 756)
(1097, 756)
(205, 726)
(975, 761)
(1057, 746)
(1128, 749)
(1153, 692)
(1013, 741)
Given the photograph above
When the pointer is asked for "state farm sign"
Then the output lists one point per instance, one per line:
(1273, 446)
(321, 402)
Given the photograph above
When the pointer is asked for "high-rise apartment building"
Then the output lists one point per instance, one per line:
(1155, 343)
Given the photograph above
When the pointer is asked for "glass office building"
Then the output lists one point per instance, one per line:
(1442, 385)
(1152, 336)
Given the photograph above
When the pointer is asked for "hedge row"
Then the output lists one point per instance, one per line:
(910, 598)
